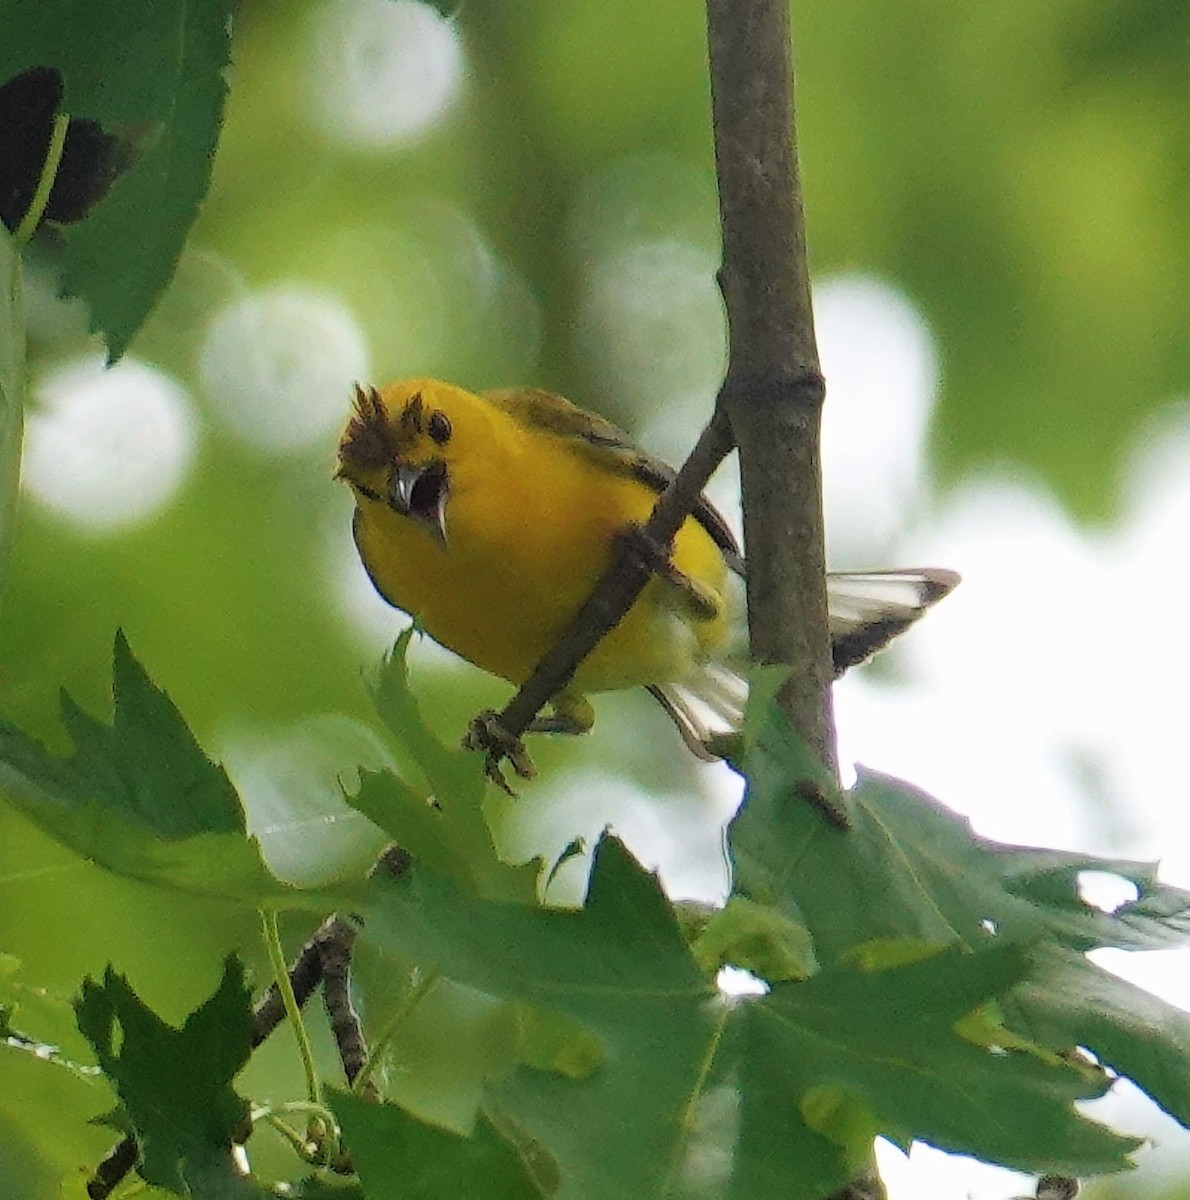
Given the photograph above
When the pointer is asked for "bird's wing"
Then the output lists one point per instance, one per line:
(611, 448)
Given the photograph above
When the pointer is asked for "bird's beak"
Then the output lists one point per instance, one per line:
(419, 491)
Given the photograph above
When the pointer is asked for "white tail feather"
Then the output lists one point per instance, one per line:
(866, 611)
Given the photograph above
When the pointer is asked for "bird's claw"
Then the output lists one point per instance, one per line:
(485, 733)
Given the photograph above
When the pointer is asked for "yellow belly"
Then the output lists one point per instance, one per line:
(523, 551)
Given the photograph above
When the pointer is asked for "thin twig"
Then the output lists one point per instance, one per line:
(112, 1169)
(336, 996)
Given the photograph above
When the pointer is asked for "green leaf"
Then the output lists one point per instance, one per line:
(789, 1088)
(153, 65)
(756, 938)
(441, 1054)
(884, 1044)
(914, 869)
(549, 1041)
(140, 797)
(399, 1158)
(910, 869)
(1067, 1001)
(152, 754)
(441, 821)
(175, 1085)
(619, 968)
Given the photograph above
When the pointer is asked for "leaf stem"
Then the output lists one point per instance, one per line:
(272, 940)
(415, 997)
(45, 183)
(317, 1151)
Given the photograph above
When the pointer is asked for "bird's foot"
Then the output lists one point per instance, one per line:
(486, 734)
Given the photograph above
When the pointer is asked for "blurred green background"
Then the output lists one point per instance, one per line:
(525, 193)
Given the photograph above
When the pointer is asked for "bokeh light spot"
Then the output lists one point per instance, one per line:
(651, 323)
(383, 72)
(107, 448)
(276, 368)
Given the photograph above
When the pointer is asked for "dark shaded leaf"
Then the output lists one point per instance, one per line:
(400, 1158)
(155, 66)
(92, 158)
(175, 1084)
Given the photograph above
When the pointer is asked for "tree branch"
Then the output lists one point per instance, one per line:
(774, 388)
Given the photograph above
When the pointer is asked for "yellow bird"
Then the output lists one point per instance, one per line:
(489, 518)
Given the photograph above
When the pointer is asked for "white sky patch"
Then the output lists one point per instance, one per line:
(881, 372)
(1164, 1160)
(1165, 973)
(679, 835)
(383, 73)
(997, 695)
(107, 449)
(289, 780)
(276, 368)
(929, 1174)
(1105, 891)
(1043, 702)
(735, 981)
(1039, 701)
(1147, 734)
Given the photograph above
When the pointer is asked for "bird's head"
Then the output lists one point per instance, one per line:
(397, 450)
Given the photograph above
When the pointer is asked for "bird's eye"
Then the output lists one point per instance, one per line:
(439, 427)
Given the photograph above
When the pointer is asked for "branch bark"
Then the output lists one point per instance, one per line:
(774, 389)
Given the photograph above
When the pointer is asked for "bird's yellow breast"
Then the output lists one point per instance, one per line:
(530, 522)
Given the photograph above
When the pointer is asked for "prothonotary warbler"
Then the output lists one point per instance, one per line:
(490, 517)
